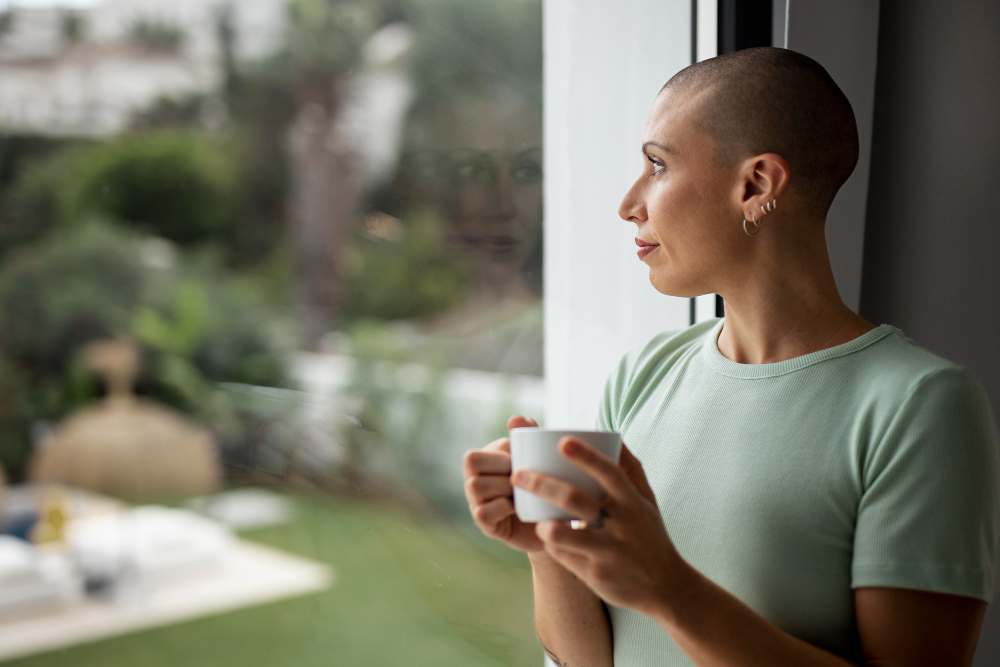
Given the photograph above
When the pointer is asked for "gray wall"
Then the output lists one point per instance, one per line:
(931, 264)
(843, 37)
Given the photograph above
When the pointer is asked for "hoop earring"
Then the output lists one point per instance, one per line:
(764, 210)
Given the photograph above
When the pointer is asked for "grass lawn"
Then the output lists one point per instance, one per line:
(407, 592)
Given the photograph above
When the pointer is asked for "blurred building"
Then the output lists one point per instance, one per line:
(83, 71)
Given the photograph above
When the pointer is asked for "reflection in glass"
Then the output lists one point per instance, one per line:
(313, 229)
(482, 177)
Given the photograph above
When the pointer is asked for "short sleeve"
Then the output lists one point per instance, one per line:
(929, 511)
(606, 409)
(616, 400)
(609, 410)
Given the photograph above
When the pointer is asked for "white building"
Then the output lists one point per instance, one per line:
(51, 84)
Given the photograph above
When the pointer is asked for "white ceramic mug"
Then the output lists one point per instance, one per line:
(536, 449)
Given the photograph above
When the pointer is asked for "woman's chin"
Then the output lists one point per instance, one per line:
(670, 285)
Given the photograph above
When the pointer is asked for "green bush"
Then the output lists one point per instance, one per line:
(414, 276)
(215, 320)
(174, 184)
(29, 208)
(197, 325)
(72, 289)
(32, 170)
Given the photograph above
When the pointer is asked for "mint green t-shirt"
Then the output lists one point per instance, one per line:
(871, 463)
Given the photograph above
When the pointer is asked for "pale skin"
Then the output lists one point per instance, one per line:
(781, 302)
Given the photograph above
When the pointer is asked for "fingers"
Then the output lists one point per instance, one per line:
(485, 462)
(597, 465)
(520, 421)
(574, 561)
(494, 458)
(632, 468)
(490, 513)
(501, 445)
(562, 494)
(560, 535)
(482, 488)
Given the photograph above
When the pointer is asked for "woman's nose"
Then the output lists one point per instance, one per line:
(632, 209)
(504, 202)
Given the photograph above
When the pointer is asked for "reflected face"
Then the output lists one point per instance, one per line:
(496, 202)
(684, 203)
(484, 173)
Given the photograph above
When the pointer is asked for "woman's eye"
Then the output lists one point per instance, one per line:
(475, 171)
(657, 166)
(527, 173)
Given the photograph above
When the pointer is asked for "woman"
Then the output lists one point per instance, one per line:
(800, 486)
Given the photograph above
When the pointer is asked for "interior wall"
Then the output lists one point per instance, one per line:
(842, 36)
(604, 64)
(933, 230)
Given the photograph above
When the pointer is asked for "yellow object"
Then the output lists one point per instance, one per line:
(51, 517)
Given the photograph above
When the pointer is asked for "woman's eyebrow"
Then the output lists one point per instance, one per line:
(662, 147)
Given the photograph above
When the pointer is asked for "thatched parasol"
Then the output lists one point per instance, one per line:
(126, 446)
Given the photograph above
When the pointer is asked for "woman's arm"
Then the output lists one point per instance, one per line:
(897, 627)
(627, 559)
(572, 623)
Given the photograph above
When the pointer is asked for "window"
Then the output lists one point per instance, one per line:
(266, 270)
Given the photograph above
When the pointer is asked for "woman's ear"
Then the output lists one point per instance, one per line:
(765, 178)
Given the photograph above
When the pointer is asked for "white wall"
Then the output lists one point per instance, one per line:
(604, 64)
(708, 47)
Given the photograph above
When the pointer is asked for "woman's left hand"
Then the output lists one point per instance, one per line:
(624, 554)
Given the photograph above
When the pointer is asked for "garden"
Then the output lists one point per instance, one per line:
(326, 262)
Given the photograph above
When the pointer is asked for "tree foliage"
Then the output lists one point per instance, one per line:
(170, 183)
(196, 324)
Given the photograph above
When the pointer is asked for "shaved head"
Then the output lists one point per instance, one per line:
(771, 100)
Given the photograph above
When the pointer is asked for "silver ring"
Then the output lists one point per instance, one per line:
(599, 521)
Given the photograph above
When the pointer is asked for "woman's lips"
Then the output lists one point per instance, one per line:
(498, 243)
(494, 244)
(645, 247)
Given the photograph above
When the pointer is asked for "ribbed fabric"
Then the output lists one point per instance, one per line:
(871, 463)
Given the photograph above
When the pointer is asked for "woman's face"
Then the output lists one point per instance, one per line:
(685, 204)
(495, 208)
(485, 157)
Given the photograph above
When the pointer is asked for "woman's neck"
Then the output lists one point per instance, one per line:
(792, 310)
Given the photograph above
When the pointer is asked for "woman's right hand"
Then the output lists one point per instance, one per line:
(490, 495)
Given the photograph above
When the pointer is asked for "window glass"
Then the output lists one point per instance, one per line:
(267, 269)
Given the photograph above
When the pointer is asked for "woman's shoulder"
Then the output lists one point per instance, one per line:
(897, 362)
(663, 349)
(667, 344)
(640, 366)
